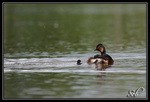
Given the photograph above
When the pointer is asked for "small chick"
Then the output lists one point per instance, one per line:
(79, 62)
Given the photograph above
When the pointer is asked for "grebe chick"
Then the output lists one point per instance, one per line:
(79, 62)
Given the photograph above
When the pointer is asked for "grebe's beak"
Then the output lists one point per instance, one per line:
(95, 50)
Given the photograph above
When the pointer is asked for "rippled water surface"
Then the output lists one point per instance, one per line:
(42, 43)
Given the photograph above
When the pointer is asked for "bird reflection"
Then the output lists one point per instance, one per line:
(100, 67)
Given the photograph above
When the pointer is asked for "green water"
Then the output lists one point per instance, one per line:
(68, 32)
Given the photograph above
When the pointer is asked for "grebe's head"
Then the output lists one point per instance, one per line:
(100, 48)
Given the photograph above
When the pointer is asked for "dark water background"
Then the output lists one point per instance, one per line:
(42, 43)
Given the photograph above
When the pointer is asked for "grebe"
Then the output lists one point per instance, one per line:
(101, 59)
(79, 62)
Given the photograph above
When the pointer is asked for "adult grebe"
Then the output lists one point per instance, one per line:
(103, 58)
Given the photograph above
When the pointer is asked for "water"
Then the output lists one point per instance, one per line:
(42, 43)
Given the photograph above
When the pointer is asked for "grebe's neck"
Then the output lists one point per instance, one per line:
(104, 52)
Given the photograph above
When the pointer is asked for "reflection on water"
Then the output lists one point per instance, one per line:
(71, 85)
(63, 78)
(42, 43)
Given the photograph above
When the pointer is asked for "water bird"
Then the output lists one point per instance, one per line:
(79, 62)
(103, 58)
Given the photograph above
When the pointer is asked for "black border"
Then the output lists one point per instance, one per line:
(5, 2)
